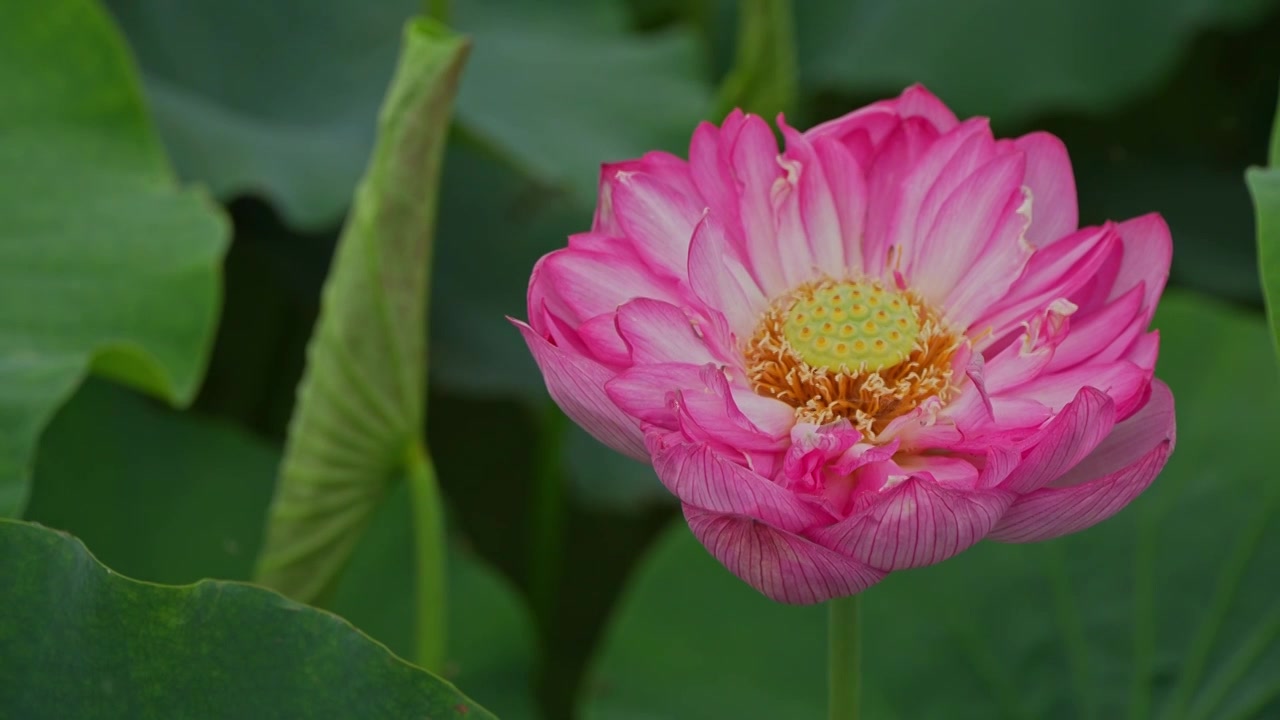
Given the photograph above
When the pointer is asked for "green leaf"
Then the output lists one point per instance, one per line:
(296, 123)
(174, 497)
(490, 633)
(105, 265)
(1010, 58)
(82, 641)
(587, 92)
(763, 78)
(360, 405)
(1167, 610)
(1264, 185)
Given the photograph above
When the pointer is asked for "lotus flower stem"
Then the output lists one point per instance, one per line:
(547, 541)
(844, 663)
(430, 611)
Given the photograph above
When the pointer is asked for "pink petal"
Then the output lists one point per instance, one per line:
(578, 284)
(720, 279)
(962, 249)
(1051, 273)
(887, 172)
(915, 523)
(1121, 380)
(755, 164)
(1054, 213)
(948, 163)
(1104, 335)
(832, 200)
(1027, 357)
(878, 119)
(577, 386)
(1113, 475)
(785, 567)
(1148, 250)
(599, 337)
(1153, 424)
(658, 216)
(734, 417)
(649, 392)
(659, 332)
(663, 165)
(1064, 442)
(703, 478)
(711, 170)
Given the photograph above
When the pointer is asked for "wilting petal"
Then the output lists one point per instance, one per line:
(783, 566)
(1104, 482)
(577, 386)
(915, 523)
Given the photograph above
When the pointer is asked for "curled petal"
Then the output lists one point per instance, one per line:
(1064, 441)
(783, 566)
(1099, 486)
(577, 386)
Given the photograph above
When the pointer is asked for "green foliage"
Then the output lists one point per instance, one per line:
(172, 498)
(763, 78)
(1264, 184)
(290, 114)
(360, 413)
(1166, 610)
(1006, 58)
(105, 265)
(79, 640)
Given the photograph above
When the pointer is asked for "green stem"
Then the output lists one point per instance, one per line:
(438, 10)
(844, 663)
(430, 614)
(547, 544)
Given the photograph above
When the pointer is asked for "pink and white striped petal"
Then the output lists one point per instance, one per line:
(1109, 478)
(699, 476)
(785, 567)
(577, 385)
(920, 521)
(1066, 440)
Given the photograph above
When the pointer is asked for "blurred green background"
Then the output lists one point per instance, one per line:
(559, 608)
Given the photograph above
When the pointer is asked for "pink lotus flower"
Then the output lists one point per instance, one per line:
(865, 353)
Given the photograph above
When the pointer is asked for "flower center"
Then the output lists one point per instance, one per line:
(852, 349)
(851, 325)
